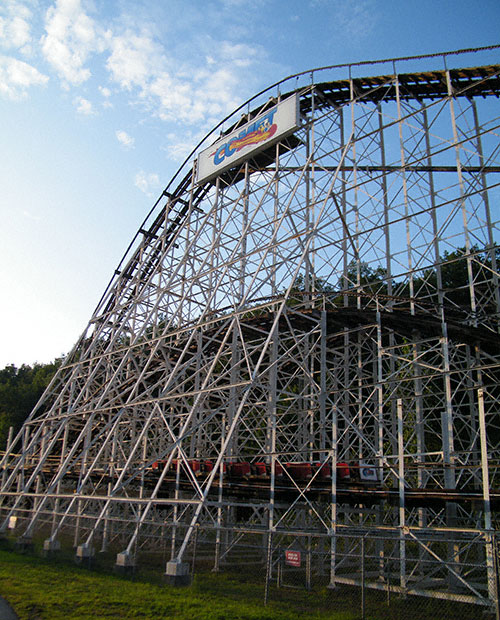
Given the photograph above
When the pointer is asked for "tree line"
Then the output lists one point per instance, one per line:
(20, 390)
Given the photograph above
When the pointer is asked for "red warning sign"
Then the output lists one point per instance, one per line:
(292, 558)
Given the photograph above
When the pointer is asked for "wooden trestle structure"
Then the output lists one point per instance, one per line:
(331, 302)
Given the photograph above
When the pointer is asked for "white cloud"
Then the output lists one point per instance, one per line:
(124, 139)
(106, 93)
(30, 216)
(83, 106)
(238, 4)
(135, 59)
(193, 84)
(179, 146)
(354, 18)
(195, 90)
(357, 19)
(147, 183)
(238, 53)
(17, 76)
(174, 96)
(14, 25)
(71, 37)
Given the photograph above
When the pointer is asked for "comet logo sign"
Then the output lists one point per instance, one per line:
(255, 133)
(259, 133)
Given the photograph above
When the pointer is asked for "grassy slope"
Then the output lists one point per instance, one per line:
(45, 590)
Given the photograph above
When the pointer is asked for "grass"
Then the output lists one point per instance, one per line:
(40, 589)
(57, 589)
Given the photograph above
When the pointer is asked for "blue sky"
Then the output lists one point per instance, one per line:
(100, 101)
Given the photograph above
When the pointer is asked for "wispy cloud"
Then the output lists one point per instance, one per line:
(71, 36)
(17, 76)
(84, 106)
(106, 93)
(15, 29)
(196, 90)
(30, 216)
(147, 183)
(192, 85)
(124, 139)
(135, 59)
(356, 19)
(180, 145)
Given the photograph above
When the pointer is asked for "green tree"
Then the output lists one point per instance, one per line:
(20, 390)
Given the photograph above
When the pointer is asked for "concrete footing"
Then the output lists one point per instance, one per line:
(177, 573)
(13, 523)
(84, 554)
(125, 564)
(50, 547)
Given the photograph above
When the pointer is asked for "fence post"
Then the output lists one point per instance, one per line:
(387, 568)
(195, 543)
(280, 568)
(494, 553)
(362, 578)
(308, 570)
(268, 566)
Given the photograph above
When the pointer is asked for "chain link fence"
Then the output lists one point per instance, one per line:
(367, 576)
(390, 575)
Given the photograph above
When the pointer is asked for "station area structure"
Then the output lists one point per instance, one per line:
(300, 350)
